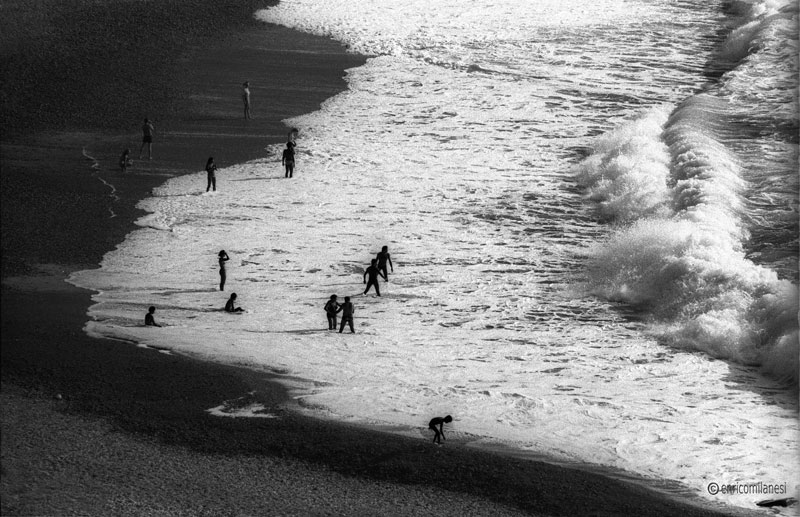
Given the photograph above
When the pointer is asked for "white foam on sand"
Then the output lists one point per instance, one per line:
(465, 172)
(249, 411)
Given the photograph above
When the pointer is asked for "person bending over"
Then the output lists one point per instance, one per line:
(439, 433)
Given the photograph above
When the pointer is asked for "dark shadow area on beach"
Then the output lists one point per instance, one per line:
(81, 79)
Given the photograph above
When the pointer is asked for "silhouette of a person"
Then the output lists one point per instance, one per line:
(438, 435)
(331, 308)
(384, 257)
(125, 160)
(149, 320)
(372, 272)
(292, 137)
(211, 169)
(347, 315)
(288, 159)
(147, 138)
(223, 257)
(230, 305)
(246, 99)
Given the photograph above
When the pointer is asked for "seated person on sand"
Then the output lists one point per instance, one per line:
(230, 307)
(125, 160)
(149, 320)
(439, 433)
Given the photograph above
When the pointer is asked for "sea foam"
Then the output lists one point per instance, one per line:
(687, 265)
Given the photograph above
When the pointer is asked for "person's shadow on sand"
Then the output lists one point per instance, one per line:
(266, 178)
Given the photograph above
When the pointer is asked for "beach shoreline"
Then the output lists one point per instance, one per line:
(65, 205)
(141, 395)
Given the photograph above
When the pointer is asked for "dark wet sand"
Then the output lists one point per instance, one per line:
(98, 427)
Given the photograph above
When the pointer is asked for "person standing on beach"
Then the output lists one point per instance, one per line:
(211, 169)
(372, 272)
(246, 99)
(292, 137)
(347, 315)
(147, 138)
(383, 257)
(230, 305)
(438, 435)
(223, 257)
(149, 320)
(331, 308)
(288, 159)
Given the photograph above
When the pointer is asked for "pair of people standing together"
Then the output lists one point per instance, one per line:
(377, 268)
(332, 308)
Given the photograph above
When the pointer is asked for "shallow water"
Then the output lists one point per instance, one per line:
(592, 213)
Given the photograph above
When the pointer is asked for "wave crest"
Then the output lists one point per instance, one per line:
(627, 173)
(679, 255)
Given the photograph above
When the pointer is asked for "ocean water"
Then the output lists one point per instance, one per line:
(592, 212)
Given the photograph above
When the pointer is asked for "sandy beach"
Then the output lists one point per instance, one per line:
(99, 427)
